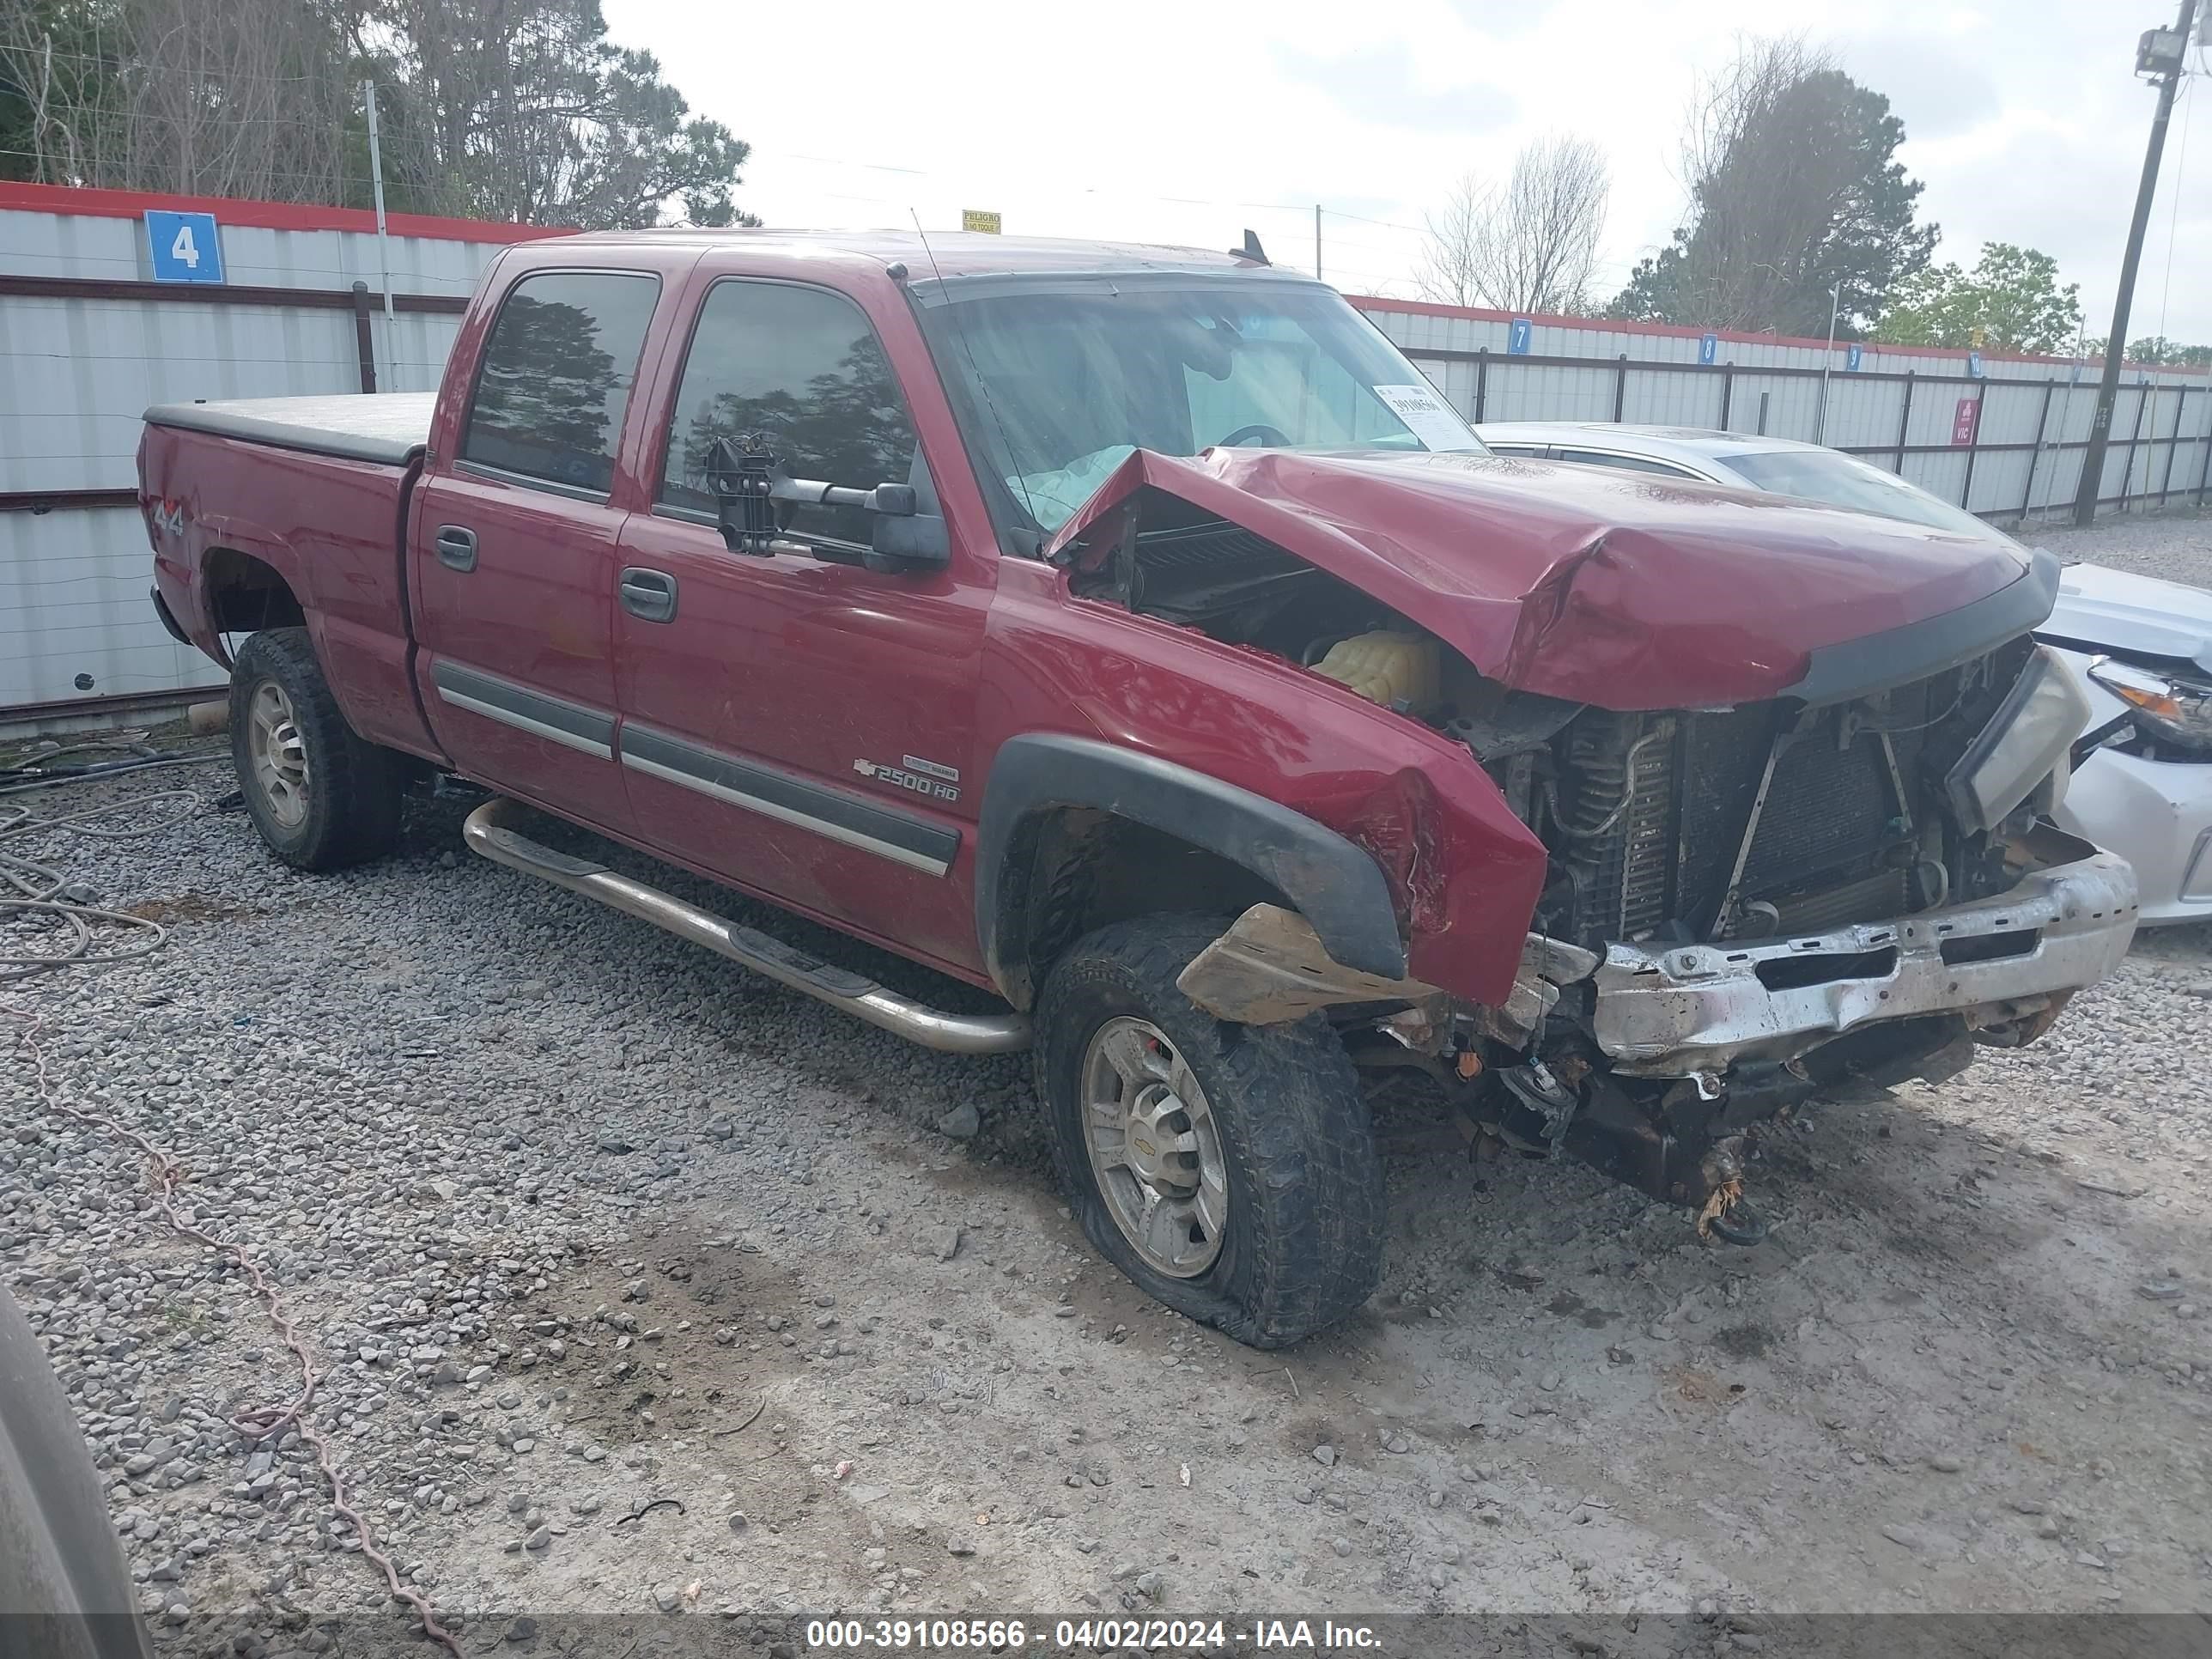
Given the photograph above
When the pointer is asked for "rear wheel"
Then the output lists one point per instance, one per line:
(321, 796)
(1228, 1170)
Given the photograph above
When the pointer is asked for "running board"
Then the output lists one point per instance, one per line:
(488, 834)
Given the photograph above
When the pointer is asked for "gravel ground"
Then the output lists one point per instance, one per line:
(582, 1218)
(2177, 546)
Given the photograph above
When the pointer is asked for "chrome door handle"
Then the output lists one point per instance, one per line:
(649, 595)
(457, 548)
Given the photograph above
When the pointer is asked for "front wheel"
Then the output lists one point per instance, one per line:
(1228, 1170)
(322, 796)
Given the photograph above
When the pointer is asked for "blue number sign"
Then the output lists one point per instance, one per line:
(1974, 364)
(1518, 333)
(1709, 349)
(185, 246)
(1851, 358)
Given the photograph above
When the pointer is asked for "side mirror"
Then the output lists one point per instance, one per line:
(911, 542)
(750, 485)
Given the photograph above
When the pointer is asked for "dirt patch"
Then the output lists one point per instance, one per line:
(189, 908)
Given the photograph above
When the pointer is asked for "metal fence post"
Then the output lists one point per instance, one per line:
(1482, 381)
(2204, 472)
(2174, 442)
(364, 337)
(1728, 388)
(2134, 437)
(1763, 397)
(1620, 388)
(1973, 446)
(1904, 419)
(2043, 420)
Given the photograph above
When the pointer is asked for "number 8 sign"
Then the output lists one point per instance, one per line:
(184, 247)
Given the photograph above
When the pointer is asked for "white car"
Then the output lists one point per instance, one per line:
(2142, 776)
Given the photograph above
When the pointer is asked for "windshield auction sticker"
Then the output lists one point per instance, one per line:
(1426, 416)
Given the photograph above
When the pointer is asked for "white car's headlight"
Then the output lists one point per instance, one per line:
(2166, 709)
(2025, 744)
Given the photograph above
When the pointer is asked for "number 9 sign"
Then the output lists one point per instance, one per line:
(186, 247)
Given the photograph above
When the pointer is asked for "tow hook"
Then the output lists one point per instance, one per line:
(1726, 1211)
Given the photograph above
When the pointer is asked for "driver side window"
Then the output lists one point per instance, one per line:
(803, 369)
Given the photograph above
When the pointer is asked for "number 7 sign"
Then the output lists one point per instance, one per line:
(185, 247)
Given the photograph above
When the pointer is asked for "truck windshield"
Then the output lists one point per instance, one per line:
(1061, 379)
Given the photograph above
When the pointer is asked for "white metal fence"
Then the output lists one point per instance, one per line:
(89, 337)
(2004, 437)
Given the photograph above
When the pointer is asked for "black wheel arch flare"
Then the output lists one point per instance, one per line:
(1334, 883)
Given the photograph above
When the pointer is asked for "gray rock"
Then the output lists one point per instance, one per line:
(542, 1538)
(2160, 1290)
(1325, 1455)
(1945, 1463)
(962, 1122)
(667, 1597)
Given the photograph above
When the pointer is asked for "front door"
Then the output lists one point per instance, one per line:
(799, 727)
(513, 547)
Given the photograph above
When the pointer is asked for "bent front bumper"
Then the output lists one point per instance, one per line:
(1679, 1009)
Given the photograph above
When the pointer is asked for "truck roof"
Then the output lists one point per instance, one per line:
(948, 253)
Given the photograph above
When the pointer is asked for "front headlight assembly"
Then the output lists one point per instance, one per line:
(2170, 712)
(2025, 745)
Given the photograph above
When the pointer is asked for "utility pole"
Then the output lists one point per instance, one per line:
(1316, 241)
(2167, 71)
(1820, 423)
(384, 245)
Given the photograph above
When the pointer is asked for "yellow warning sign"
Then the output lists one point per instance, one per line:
(978, 219)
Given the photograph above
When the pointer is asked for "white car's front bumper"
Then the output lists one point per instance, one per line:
(2157, 815)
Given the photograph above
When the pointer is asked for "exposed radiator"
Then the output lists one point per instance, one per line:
(1657, 842)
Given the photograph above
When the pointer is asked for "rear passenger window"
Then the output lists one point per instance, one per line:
(557, 375)
(802, 368)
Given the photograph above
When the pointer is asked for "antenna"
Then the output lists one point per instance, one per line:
(952, 314)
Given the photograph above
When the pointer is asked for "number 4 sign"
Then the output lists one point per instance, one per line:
(185, 247)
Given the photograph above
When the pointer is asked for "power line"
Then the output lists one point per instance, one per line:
(2173, 215)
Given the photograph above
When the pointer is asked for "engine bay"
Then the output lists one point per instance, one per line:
(1737, 823)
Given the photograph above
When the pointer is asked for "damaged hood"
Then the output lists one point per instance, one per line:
(2132, 616)
(1620, 589)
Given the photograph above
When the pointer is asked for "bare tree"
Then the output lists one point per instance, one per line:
(247, 98)
(1529, 246)
(504, 109)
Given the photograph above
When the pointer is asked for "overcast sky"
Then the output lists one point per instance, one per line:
(1188, 121)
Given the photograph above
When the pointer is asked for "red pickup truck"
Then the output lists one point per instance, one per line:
(1134, 634)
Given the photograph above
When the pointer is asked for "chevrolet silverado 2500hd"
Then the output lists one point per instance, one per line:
(1134, 634)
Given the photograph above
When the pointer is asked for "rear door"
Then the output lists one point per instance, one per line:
(513, 545)
(800, 726)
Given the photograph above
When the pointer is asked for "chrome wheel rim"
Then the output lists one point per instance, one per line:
(1155, 1148)
(279, 755)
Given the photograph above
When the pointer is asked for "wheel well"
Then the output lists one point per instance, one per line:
(242, 594)
(1075, 869)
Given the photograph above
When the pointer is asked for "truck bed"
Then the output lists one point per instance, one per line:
(316, 489)
(389, 427)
